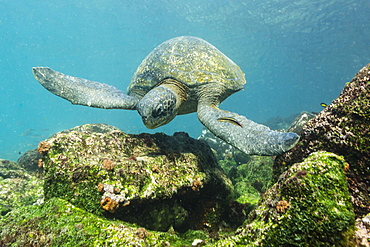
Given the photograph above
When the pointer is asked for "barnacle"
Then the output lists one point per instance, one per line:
(109, 205)
(301, 173)
(141, 232)
(101, 187)
(108, 164)
(132, 158)
(40, 163)
(155, 168)
(282, 206)
(43, 147)
(197, 184)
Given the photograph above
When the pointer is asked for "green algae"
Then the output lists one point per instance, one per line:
(18, 188)
(309, 206)
(342, 128)
(155, 180)
(59, 223)
(249, 179)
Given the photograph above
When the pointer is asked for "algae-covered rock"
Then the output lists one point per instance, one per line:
(157, 181)
(281, 123)
(309, 206)
(17, 187)
(59, 223)
(30, 161)
(249, 179)
(343, 128)
(92, 128)
(10, 169)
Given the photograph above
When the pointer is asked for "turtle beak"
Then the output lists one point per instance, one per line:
(147, 123)
(150, 124)
(144, 113)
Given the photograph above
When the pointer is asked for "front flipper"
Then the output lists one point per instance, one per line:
(244, 134)
(83, 92)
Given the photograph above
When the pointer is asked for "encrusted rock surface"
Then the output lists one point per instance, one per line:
(343, 128)
(92, 128)
(308, 206)
(157, 181)
(17, 187)
(60, 223)
(30, 161)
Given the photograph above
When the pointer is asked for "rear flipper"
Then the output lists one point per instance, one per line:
(80, 91)
(244, 134)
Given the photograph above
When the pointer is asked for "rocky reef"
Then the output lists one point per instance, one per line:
(343, 128)
(18, 187)
(308, 206)
(156, 181)
(103, 187)
(59, 223)
(310, 203)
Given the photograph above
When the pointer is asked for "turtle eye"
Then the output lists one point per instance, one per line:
(158, 112)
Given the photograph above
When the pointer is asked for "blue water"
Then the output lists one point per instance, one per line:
(296, 54)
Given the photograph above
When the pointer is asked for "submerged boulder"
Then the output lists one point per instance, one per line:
(59, 223)
(17, 187)
(30, 162)
(156, 181)
(308, 206)
(343, 128)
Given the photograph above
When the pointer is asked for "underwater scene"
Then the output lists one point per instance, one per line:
(127, 155)
(295, 55)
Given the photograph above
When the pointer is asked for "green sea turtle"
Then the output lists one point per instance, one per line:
(180, 76)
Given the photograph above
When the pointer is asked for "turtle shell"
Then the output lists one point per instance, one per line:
(190, 60)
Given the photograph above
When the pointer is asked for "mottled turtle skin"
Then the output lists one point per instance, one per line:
(180, 76)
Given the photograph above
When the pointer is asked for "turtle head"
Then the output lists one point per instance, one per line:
(158, 107)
